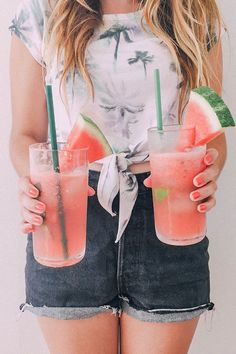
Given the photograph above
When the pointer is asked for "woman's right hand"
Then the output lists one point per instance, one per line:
(31, 208)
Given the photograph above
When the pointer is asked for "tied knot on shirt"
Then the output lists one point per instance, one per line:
(116, 178)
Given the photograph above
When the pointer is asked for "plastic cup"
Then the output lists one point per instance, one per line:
(177, 220)
(61, 239)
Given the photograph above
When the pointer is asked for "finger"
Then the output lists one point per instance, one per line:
(27, 228)
(204, 192)
(211, 156)
(208, 175)
(208, 205)
(31, 218)
(27, 187)
(32, 204)
(148, 182)
(91, 191)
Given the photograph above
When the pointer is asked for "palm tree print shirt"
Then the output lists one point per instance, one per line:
(121, 59)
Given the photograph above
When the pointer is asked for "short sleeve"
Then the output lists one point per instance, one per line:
(29, 25)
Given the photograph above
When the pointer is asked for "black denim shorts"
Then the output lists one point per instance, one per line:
(140, 275)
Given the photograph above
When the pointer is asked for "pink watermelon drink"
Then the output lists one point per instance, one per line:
(177, 220)
(176, 156)
(61, 240)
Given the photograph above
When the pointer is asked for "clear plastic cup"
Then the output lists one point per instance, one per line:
(61, 239)
(174, 164)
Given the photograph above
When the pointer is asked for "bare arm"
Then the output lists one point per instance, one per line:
(216, 153)
(29, 113)
(215, 57)
(29, 126)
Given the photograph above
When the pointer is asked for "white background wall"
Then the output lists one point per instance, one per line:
(216, 333)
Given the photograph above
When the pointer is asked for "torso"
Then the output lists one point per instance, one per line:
(121, 59)
(119, 8)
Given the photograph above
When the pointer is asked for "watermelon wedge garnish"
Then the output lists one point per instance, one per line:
(86, 134)
(208, 113)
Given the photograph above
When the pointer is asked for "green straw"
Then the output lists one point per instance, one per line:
(56, 167)
(52, 126)
(158, 100)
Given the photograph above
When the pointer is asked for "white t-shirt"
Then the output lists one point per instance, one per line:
(121, 59)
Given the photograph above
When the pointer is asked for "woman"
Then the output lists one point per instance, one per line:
(103, 56)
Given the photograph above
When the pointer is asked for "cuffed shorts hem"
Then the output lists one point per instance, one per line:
(154, 315)
(69, 313)
(162, 316)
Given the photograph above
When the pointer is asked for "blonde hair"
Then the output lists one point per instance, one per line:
(188, 27)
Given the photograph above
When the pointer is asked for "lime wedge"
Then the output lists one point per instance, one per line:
(160, 194)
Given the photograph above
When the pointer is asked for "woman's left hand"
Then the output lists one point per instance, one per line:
(206, 183)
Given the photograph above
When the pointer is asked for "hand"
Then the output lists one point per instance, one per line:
(148, 182)
(206, 183)
(32, 209)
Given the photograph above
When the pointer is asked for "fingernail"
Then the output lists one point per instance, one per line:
(37, 220)
(33, 192)
(39, 207)
(209, 158)
(202, 208)
(200, 181)
(195, 195)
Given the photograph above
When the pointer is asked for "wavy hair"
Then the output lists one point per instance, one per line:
(188, 27)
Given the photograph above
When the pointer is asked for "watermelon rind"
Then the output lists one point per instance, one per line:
(209, 112)
(216, 104)
(94, 130)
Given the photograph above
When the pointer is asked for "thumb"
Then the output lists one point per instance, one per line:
(91, 191)
(148, 182)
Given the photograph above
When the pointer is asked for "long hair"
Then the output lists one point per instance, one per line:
(188, 27)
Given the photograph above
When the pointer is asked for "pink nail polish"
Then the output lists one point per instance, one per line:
(203, 208)
(209, 158)
(39, 207)
(29, 229)
(33, 192)
(200, 181)
(37, 220)
(196, 195)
